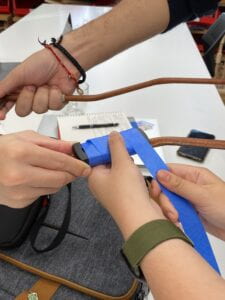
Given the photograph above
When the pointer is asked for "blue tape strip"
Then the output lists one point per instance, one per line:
(188, 217)
(134, 124)
(97, 149)
(98, 152)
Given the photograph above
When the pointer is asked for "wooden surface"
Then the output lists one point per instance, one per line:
(5, 21)
(222, 3)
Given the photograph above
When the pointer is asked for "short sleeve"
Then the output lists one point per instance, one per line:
(185, 10)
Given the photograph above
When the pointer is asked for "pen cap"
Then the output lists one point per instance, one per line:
(97, 149)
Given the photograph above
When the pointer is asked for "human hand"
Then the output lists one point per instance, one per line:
(33, 165)
(121, 189)
(41, 82)
(201, 187)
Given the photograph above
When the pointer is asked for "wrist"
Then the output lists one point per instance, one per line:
(147, 237)
(64, 63)
(132, 216)
(81, 47)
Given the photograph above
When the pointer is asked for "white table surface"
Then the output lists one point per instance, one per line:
(21, 39)
(178, 108)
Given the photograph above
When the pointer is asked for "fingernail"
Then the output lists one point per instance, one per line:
(114, 135)
(163, 175)
(171, 216)
(86, 172)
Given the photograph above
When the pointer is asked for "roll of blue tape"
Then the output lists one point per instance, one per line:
(98, 152)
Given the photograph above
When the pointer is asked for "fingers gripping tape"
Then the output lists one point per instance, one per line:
(97, 149)
(97, 152)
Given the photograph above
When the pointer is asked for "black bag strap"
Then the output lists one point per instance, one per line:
(40, 220)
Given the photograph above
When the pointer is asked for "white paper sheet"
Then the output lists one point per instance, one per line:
(66, 124)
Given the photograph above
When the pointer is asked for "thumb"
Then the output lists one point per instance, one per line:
(11, 82)
(119, 154)
(189, 190)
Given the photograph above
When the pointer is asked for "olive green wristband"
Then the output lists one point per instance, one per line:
(147, 237)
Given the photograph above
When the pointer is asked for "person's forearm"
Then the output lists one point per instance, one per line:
(127, 24)
(173, 270)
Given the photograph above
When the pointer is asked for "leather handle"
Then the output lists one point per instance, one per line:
(43, 288)
(131, 88)
(184, 141)
(156, 142)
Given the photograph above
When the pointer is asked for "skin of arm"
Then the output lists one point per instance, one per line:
(128, 23)
(173, 269)
(41, 80)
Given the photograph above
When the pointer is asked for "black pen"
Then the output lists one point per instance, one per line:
(100, 125)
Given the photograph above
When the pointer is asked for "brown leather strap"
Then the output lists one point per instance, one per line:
(45, 289)
(23, 296)
(67, 283)
(156, 142)
(183, 141)
(145, 84)
(131, 88)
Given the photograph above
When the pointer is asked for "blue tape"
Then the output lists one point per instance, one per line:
(134, 124)
(188, 217)
(97, 150)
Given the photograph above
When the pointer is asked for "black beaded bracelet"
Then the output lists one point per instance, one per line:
(57, 44)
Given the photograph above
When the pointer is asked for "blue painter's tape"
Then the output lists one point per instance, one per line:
(98, 152)
(97, 149)
(134, 124)
(188, 217)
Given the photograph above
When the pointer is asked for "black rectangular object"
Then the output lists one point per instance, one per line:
(195, 153)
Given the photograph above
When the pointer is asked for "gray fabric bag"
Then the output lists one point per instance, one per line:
(93, 263)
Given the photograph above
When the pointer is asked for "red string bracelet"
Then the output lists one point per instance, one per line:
(70, 75)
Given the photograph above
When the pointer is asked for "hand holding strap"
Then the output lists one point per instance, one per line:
(131, 88)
